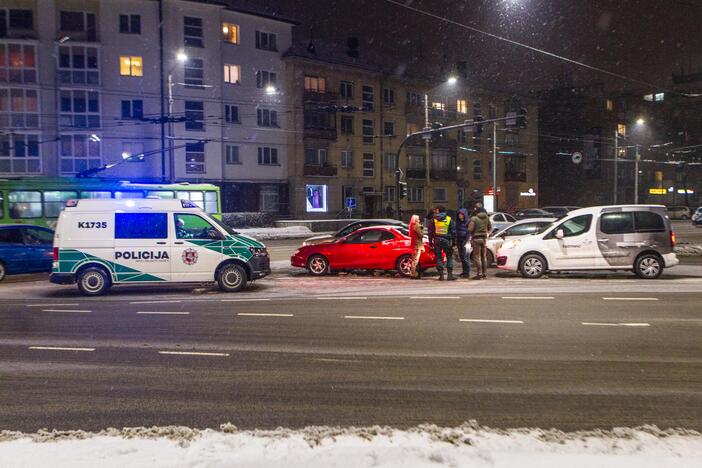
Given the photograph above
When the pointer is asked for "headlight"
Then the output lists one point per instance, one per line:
(258, 251)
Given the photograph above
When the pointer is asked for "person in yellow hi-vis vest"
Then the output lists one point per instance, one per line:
(442, 231)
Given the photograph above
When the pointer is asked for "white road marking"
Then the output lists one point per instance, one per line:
(193, 353)
(51, 305)
(605, 324)
(343, 298)
(435, 297)
(73, 311)
(630, 298)
(155, 302)
(528, 297)
(149, 312)
(372, 317)
(59, 348)
(490, 321)
(244, 300)
(251, 314)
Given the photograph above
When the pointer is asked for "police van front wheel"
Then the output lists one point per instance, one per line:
(93, 281)
(231, 278)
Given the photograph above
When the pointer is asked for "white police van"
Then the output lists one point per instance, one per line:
(101, 242)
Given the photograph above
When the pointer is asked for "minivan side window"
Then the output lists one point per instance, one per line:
(647, 221)
(575, 226)
(11, 236)
(617, 223)
(190, 226)
(141, 226)
(34, 236)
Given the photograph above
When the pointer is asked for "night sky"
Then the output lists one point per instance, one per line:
(643, 39)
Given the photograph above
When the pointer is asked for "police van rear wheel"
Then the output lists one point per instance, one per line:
(232, 278)
(93, 281)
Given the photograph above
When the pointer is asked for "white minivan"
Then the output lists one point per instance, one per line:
(101, 242)
(639, 238)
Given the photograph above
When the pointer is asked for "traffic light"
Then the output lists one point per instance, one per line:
(403, 190)
(478, 125)
(437, 126)
(522, 118)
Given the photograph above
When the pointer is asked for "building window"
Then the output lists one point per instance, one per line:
(315, 157)
(133, 152)
(193, 72)
(389, 193)
(266, 118)
(347, 159)
(477, 169)
(19, 154)
(658, 97)
(414, 99)
(462, 106)
(609, 104)
(79, 22)
(264, 79)
(515, 169)
(512, 139)
(133, 109)
(440, 194)
(388, 96)
(440, 106)
(346, 192)
(269, 198)
(131, 66)
(389, 128)
(195, 158)
(367, 98)
(230, 33)
(267, 156)
(441, 160)
(368, 165)
(19, 108)
(80, 108)
(492, 111)
(231, 114)
(389, 161)
(347, 124)
(79, 153)
(192, 31)
(232, 154)
(194, 116)
(346, 89)
(14, 19)
(17, 63)
(266, 41)
(415, 161)
(415, 194)
(315, 84)
(232, 74)
(78, 65)
(130, 24)
(621, 129)
(368, 131)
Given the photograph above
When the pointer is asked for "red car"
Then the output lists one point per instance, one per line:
(371, 248)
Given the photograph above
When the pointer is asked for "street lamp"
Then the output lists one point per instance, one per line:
(640, 121)
(181, 58)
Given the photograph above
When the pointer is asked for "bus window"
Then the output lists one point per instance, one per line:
(95, 194)
(160, 194)
(129, 194)
(195, 197)
(211, 202)
(55, 201)
(24, 204)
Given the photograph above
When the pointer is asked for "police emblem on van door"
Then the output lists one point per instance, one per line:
(190, 256)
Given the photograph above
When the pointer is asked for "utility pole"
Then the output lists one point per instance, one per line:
(163, 125)
(494, 165)
(427, 157)
(616, 157)
(636, 176)
(171, 152)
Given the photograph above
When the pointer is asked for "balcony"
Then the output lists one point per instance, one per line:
(444, 174)
(416, 173)
(322, 133)
(323, 171)
(515, 176)
(327, 97)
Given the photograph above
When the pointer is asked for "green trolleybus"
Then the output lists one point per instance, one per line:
(39, 200)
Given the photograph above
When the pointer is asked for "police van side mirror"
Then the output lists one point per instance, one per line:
(560, 234)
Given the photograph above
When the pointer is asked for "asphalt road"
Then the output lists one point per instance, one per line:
(626, 354)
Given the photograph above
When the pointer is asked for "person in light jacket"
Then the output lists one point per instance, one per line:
(416, 232)
(479, 228)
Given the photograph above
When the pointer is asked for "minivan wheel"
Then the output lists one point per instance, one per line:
(532, 266)
(318, 265)
(3, 271)
(93, 281)
(648, 266)
(232, 278)
(404, 265)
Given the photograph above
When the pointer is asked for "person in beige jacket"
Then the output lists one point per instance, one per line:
(416, 232)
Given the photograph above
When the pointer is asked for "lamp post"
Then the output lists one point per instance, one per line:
(180, 58)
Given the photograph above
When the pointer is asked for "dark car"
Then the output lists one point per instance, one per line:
(559, 211)
(533, 213)
(25, 249)
(349, 228)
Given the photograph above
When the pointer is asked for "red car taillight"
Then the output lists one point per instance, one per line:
(673, 238)
(56, 254)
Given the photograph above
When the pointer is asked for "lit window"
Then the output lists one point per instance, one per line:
(659, 97)
(17, 63)
(462, 106)
(131, 66)
(315, 84)
(232, 74)
(230, 33)
(609, 104)
(621, 129)
(648, 97)
(438, 105)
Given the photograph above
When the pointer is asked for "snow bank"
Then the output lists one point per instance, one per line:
(428, 445)
(688, 250)
(292, 232)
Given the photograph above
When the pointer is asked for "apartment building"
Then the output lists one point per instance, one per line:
(87, 83)
(350, 118)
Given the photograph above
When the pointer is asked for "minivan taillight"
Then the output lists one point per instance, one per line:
(56, 254)
(673, 238)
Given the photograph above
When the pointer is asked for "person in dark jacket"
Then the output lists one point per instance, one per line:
(441, 239)
(462, 238)
(479, 228)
